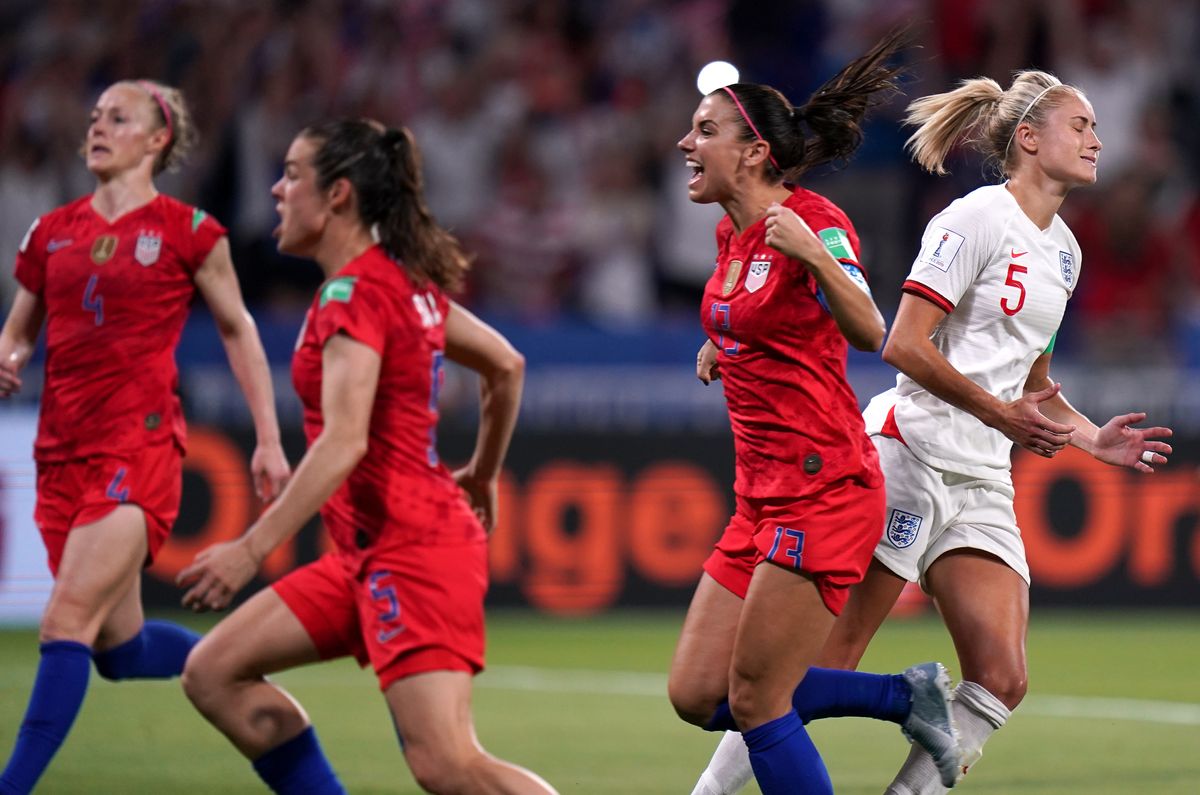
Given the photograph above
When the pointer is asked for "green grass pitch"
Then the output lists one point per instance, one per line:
(1114, 708)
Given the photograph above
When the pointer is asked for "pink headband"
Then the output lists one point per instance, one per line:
(162, 105)
(753, 129)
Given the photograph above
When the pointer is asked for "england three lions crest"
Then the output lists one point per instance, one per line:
(1066, 264)
(757, 276)
(902, 528)
(148, 248)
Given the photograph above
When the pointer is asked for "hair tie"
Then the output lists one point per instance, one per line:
(753, 129)
(392, 138)
(1025, 113)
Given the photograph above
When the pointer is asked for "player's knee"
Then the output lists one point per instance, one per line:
(748, 702)
(1008, 684)
(203, 676)
(692, 704)
(438, 770)
(193, 680)
(61, 623)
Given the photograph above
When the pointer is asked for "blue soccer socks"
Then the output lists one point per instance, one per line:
(158, 651)
(784, 759)
(834, 693)
(58, 691)
(298, 767)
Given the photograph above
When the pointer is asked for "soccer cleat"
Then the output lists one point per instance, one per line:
(930, 722)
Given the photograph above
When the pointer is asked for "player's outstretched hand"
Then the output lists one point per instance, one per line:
(1119, 444)
(216, 575)
(270, 469)
(1023, 422)
(707, 369)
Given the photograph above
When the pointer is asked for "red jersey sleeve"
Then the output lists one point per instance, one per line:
(200, 235)
(354, 306)
(31, 258)
(837, 233)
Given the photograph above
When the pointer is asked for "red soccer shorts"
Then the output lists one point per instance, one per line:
(81, 491)
(830, 537)
(405, 610)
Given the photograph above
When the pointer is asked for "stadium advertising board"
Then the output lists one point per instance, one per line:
(593, 521)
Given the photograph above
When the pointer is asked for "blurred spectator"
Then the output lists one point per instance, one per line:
(549, 127)
(27, 190)
(460, 135)
(1126, 281)
(526, 263)
(684, 241)
(1117, 65)
(1187, 290)
(615, 221)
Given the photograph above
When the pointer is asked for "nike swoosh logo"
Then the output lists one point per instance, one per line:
(1014, 253)
(55, 245)
(387, 634)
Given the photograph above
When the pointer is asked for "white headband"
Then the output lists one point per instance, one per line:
(1025, 113)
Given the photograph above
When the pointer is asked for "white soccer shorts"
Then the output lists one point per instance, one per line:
(930, 512)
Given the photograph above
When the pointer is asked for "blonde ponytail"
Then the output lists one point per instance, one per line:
(980, 114)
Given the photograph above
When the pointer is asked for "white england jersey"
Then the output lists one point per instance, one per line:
(1004, 284)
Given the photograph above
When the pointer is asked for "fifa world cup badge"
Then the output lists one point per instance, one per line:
(731, 277)
(103, 249)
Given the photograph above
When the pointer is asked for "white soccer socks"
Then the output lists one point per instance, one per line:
(977, 713)
(729, 769)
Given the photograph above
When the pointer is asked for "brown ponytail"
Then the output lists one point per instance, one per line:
(384, 166)
(832, 116)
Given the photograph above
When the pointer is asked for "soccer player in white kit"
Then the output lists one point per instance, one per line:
(973, 338)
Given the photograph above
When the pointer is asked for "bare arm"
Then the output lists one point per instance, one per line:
(218, 284)
(474, 344)
(910, 350)
(349, 377)
(18, 338)
(852, 306)
(1116, 442)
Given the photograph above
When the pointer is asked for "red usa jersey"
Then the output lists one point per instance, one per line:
(400, 489)
(796, 422)
(116, 297)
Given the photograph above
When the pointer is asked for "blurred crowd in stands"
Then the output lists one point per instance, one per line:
(549, 126)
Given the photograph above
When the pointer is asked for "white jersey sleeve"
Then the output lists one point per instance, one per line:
(954, 249)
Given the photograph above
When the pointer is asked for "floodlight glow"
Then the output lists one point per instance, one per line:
(717, 74)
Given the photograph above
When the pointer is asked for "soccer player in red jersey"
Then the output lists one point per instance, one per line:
(112, 276)
(404, 588)
(973, 340)
(787, 295)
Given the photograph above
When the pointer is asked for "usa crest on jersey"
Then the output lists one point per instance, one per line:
(757, 276)
(148, 247)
